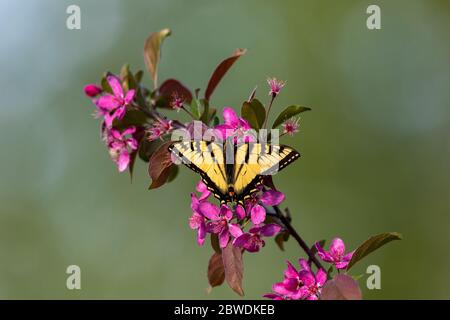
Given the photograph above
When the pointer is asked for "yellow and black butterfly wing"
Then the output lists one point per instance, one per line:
(255, 160)
(207, 159)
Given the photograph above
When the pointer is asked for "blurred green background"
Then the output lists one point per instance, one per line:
(376, 147)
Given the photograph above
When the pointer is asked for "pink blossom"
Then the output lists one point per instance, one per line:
(176, 101)
(312, 283)
(267, 198)
(252, 241)
(336, 255)
(234, 126)
(201, 187)
(291, 126)
(299, 285)
(275, 86)
(197, 221)
(219, 222)
(120, 146)
(159, 128)
(92, 90)
(113, 106)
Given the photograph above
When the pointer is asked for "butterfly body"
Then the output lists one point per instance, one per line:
(233, 172)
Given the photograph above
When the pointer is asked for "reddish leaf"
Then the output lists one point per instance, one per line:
(341, 287)
(216, 272)
(220, 71)
(215, 243)
(152, 52)
(159, 166)
(171, 86)
(234, 267)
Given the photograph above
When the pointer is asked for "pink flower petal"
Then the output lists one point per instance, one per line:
(226, 212)
(272, 198)
(325, 256)
(337, 247)
(194, 202)
(348, 256)
(108, 120)
(195, 220)
(205, 195)
(341, 265)
(107, 102)
(214, 227)
(230, 117)
(224, 237)
(240, 212)
(285, 288)
(92, 90)
(129, 96)
(321, 277)
(270, 230)
(209, 210)
(123, 161)
(290, 272)
(307, 278)
(129, 130)
(258, 214)
(242, 240)
(114, 83)
(235, 230)
(244, 124)
(254, 245)
(201, 234)
(304, 265)
(201, 186)
(272, 296)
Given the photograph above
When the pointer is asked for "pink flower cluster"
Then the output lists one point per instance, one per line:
(299, 285)
(305, 284)
(228, 222)
(113, 106)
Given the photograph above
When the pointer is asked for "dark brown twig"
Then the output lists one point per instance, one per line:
(297, 237)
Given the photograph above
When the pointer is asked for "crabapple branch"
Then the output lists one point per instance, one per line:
(297, 237)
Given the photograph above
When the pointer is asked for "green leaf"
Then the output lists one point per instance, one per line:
(133, 117)
(105, 85)
(216, 121)
(372, 244)
(341, 287)
(254, 112)
(138, 76)
(195, 109)
(152, 52)
(220, 71)
(205, 114)
(289, 112)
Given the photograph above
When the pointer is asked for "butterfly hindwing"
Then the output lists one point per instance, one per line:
(254, 160)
